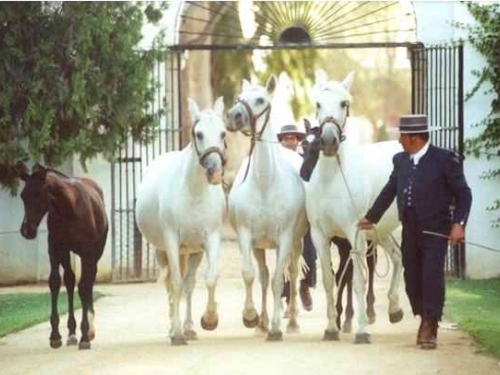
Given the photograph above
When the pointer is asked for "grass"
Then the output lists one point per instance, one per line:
(475, 306)
(22, 310)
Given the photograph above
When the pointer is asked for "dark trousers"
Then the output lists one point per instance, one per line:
(309, 255)
(423, 261)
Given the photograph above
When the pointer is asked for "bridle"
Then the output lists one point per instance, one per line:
(253, 127)
(203, 155)
(254, 118)
(340, 127)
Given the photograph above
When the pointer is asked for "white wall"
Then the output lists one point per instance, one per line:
(434, 26)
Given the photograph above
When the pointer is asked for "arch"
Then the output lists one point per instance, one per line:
(262, 24)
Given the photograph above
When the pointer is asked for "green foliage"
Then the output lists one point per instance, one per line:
(485, 37)
(72, 81)
(23, 310)
(475, 306)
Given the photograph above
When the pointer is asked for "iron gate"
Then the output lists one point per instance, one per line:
(437, 90)
(132, 257)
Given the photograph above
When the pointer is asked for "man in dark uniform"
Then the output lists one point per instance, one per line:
(290, 137)
(426, 180)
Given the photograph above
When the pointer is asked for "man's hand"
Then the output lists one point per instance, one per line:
(364, 223)
(456, 234)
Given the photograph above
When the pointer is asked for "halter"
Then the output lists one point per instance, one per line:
(253, 127)
(254, 118)
(340, 128)
(202, 155)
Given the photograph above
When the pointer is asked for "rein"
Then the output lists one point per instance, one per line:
(253, 127)
(203, 155)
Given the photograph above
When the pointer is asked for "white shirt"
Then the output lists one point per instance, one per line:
(418, 155)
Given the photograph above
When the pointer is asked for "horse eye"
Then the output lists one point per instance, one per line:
(344, 103)
(222, 135)
(260, 101)
(199, 135)
(318, 106)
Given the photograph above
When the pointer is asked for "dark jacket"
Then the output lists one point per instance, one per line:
(439, 183)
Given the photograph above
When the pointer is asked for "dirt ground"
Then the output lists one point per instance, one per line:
(131, 328)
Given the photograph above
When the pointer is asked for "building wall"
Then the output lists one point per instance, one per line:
(439, 16)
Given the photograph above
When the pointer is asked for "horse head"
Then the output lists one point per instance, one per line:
(332, 104)
(208, 136)
(250, 113)
(311, 146)
(35, 196)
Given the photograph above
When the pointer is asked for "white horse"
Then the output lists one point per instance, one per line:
(180, 209)
(346, 181)
(267, 209)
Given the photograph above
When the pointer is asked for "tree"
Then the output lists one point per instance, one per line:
(485, 37)
(72, 81)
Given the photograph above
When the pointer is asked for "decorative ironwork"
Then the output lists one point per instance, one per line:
(437, 81)
(315, 23)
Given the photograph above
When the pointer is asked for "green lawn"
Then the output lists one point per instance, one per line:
(22, 310)
(475, 306)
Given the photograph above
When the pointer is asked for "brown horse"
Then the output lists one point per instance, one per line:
(76, 222)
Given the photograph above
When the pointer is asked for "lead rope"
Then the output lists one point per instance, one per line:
(360, 257)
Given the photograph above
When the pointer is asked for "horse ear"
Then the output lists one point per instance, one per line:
(307, 125)
(271, 84)
(320, 77)
(22, 170)
(347, 82)
(246, 85)
(219, 107)
(194, 111)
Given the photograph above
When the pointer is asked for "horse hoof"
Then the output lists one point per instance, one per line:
(178, 341)
(209, 326)
(55, 343)
(275, 336)
(72, 340)
(190, 335)
(363, 338)
(347, 328)
(251, 323)
(84, 345)
(396, 317)
(293, 328)
(331, 336)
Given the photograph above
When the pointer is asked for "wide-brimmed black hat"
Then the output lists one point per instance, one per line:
(413, 124)
(293, 130)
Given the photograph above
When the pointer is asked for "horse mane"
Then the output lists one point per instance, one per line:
(60, 174)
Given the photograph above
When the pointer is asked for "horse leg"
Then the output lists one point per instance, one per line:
(54, 285)
(161, 258)
(175, 276)
(194, 261)
(395, 311)
(250, 315)
(322, 246)
(260, 256)
(89, 271)
(371, 261)
(283, 253)
(343, 279)
(359, 283)
(210, 319)
(69, 282)
(293, 326)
